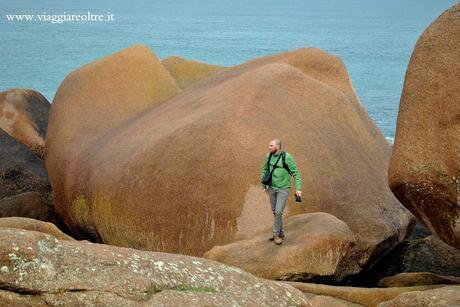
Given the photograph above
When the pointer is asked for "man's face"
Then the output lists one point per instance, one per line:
(273, 147)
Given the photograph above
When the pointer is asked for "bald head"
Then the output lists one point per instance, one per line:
(274, 145)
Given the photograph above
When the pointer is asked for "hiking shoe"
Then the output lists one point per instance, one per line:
(278, 240)
(273, 237)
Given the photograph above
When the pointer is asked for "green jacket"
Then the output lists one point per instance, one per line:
(281, 178)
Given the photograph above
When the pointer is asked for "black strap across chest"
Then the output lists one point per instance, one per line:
(285, 166)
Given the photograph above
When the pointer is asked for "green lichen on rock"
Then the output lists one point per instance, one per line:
(81, 208)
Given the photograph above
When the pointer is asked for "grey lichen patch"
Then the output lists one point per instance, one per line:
(173, 266)
(159, 265)
(234, 270)
(21, 266)
(24, 268)
(455, 180)
(48, 246)
(27, 264)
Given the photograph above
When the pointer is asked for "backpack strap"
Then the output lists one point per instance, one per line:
(275, 165)
(268, 162)
(285, 164)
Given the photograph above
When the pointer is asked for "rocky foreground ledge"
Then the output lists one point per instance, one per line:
(38, 269)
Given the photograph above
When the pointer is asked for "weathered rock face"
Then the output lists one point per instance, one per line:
(24, 116)
(183, 176)
(23, 123)
(417, 279)
(20, 170)
(420, 252)
(90, 102)
(187, 72)
(328, 301)
(24, 186)
(365, 296)
(314, 249)
(38, 268)
(445, 296)
(424, 172)
(424, 255)
(28, 204)
(34, 225)
(97, 97)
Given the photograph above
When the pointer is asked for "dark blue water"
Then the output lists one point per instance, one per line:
(374, 38)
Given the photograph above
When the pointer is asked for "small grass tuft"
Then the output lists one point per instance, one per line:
(185, 287)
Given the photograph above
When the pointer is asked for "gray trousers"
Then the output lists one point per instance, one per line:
(278, 198)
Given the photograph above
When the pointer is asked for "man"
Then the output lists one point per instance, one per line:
(278, 190)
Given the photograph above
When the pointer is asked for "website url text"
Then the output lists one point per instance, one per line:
(60, 18)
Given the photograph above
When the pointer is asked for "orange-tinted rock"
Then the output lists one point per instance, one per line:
(93, 100)
(186, 72)
(34, 225)
(424, 173)
(23, 123)
(327, 69)
(24, 185)
(24, 116)
(445, 296)
(98, 97)
(183, 176)
(314, 248)
(417, 279)
(328, 301)
(365, 296)
(48, 271)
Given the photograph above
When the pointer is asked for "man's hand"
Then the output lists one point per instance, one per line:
(298, 193)
(265, 188)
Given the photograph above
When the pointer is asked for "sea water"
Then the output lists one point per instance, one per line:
(373, 38)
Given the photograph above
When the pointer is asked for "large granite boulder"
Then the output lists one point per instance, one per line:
(187, 72)
(89, 103)
(37, 269)
(24, 116)
(315, 248)
(24, 186)
(424, 172)
(183, 175)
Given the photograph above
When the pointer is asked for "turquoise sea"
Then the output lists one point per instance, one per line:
(374, 38)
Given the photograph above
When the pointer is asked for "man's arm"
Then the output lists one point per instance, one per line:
(294, 171)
